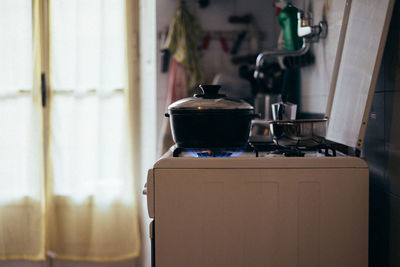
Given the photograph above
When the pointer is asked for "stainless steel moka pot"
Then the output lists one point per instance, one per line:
(284, 111)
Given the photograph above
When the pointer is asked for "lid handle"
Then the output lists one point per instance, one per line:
(209, 91)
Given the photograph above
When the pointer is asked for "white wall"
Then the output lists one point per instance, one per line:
(148, 71)
(316, 79)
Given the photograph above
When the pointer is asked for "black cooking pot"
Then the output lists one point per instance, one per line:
(210, 120)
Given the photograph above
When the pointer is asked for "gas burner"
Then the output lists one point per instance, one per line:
(294, 153)
(286, 152)
(264, 146)
(213, 154)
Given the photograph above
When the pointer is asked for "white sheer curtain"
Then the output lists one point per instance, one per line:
(84, 205)
(93, 214)
(21, 159)
(19, 134)
(89, 122)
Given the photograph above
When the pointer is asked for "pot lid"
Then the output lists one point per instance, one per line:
(210, 99)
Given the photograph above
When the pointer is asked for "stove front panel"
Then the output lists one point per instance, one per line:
(261, 217)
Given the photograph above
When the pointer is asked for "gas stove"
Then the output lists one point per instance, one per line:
(260, 205)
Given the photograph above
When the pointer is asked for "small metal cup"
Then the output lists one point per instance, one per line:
(283, 111)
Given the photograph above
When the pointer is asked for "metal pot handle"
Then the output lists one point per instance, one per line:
(209, 92)
(285, 123)
(166, 115)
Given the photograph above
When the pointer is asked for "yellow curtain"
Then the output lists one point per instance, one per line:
(84, 204)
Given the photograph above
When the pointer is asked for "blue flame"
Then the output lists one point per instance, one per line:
(215, 154)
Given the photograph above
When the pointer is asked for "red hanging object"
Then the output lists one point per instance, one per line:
(224, 44)
(206, 42)
(278, 9)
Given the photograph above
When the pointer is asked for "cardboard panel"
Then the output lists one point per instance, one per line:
(358, 72)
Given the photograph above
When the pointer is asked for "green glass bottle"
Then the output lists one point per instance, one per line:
(288, 20)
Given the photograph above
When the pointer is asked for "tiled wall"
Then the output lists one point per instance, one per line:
(382, 152)
(316, 78)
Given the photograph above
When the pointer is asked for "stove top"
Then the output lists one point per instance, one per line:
(256, 149)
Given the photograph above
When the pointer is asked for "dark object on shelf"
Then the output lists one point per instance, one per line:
(238, 43)
(246, 59)
(165, 57)
(245, 72)
(203, 3)
(269, 78)
(245, 19)
(210, 120)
